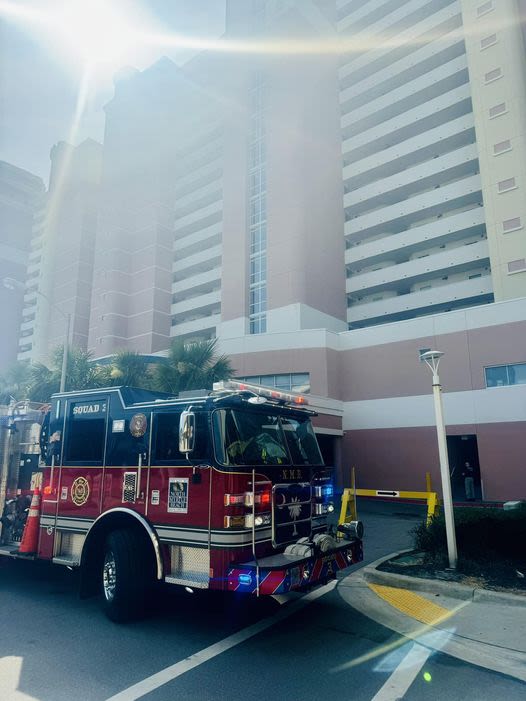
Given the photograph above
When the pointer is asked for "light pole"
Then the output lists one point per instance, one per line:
(12, 284)
(432, 360)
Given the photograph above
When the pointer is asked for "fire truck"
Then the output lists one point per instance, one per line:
(223, 490)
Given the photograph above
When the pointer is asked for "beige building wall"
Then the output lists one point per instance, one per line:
(497, 67)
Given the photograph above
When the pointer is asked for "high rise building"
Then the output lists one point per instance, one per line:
(60, 269)
(20, 198)
(340, 190)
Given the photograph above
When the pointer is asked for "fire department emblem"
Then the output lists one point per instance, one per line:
(80, 491)
(138, 425)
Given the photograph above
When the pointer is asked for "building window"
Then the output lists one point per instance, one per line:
(257, 208)
(495, 74)
(505, 185)
(488, 41)
(485, 8)
(511, 225)
(288, 382)
(475, 275)
(497, 110)
(505, 375)
(501, 147)
(517, 266)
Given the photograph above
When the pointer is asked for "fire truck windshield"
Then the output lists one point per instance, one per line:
(259, 438)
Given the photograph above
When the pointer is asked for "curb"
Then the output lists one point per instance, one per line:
(446, 639)
(436, 586)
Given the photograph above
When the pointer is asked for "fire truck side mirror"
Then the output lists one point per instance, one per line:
(187, 432)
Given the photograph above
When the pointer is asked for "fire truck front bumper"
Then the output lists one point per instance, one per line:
(279, 574)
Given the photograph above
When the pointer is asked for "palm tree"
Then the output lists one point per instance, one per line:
(82, 373)
(130, 369)
(15, 382)
(192, 366)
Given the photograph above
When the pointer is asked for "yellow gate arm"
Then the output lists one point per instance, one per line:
(349, 500)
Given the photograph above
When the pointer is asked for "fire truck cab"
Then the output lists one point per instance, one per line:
(224, 490)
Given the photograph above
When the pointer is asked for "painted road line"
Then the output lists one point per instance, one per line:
(412, 604)
(404, 675)
(168, 674)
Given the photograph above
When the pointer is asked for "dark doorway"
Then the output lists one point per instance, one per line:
(326, 444)
(463, 449)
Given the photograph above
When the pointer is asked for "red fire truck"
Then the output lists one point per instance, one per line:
(224, 490)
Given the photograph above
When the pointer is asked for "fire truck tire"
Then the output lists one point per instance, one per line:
(126, 577)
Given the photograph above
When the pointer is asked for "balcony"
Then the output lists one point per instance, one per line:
(204, 325)
(400, 216)
(210, 192)
(198, 177)
(203, 303)
(417, 120)
(201, 218)
(200, 261)
(436, 299)
(402, 99)
(420, 147)
(353, 16)
(28, 324)
(398, 277)
(450, 166)
(184, 244)
(396, 73)
(401, 246)
(412, 37)
(195, 281)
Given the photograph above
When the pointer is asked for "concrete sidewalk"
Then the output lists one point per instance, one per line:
(478, 626)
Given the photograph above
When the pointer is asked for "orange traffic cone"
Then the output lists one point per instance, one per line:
(29, 541)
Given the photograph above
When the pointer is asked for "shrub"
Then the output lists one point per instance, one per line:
(487, 537)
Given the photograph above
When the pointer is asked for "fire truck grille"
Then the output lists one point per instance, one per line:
(291, 512)
(129, 486)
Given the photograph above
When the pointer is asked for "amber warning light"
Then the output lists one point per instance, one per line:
(260, 391)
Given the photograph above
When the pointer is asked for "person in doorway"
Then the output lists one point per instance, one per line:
(469, 481)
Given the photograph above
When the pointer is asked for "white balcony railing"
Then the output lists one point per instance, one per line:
(407, 36)
(198, 303)
(412, 270)
(424, 143)
(440, 295)
(413, 205)
(189, 283)
(206, 323)
(198, 259)
(412, 116)
(404, 181)
(462, 223)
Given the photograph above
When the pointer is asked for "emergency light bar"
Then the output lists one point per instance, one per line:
(260, 391)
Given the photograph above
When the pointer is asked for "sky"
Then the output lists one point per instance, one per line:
(41, 72)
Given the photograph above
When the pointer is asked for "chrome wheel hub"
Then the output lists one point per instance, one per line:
(109, 576)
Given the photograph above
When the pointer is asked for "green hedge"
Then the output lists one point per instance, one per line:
(488, 541)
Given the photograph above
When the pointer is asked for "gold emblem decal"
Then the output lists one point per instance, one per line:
(138, 425)
(80, 491)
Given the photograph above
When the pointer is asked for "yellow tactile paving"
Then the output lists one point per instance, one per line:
(412, 604)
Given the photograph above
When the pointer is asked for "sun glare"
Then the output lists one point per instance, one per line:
(94, 35)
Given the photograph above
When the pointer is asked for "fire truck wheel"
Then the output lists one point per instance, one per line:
(126, 577)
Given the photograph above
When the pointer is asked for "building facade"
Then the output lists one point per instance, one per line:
(60, 266)
(340, 190)
(21, 196)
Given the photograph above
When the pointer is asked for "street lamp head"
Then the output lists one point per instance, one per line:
(432, 358)
(11, 284)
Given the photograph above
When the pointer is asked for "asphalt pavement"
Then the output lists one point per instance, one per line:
(55, 647)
